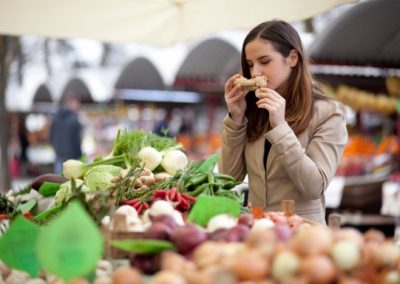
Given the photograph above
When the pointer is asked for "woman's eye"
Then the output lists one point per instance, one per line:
(264, 62)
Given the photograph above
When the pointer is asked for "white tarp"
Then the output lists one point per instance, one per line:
(160, 22)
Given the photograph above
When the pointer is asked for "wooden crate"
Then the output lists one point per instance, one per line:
(117, 231)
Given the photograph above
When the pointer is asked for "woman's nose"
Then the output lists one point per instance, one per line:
(255, 72)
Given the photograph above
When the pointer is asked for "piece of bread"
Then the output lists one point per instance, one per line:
(252, 84)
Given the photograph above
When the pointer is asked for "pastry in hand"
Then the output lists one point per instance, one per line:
(252, 84)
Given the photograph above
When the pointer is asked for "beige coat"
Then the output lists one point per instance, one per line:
(298, 168)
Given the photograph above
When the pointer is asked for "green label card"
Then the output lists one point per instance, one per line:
(70, 246)
(17, 246)
(207, 207)
(49, 188)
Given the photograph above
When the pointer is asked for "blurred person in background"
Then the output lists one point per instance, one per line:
(23, 143)
(287, 136)
(163, 127)
(65, 132)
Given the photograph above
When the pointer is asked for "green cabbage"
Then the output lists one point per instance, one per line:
(65, 192)
(100, 177)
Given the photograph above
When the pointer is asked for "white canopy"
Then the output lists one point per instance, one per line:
(160, 22)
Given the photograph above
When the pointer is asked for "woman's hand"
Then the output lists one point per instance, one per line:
(235, 98)
(274, 103)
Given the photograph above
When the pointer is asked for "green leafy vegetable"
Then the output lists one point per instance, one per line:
(48, 213)
(142, 245)
(27, 206)
(131, 142)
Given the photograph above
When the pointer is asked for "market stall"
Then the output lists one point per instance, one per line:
(363, 73)
(145, 213)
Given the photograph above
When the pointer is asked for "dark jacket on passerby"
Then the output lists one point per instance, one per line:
(65, 134)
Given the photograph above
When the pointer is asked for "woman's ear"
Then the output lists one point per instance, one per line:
(293, 57)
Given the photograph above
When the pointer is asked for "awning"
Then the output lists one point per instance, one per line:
(368, 34)
(208, 65)
(161, 22)
(140, 73)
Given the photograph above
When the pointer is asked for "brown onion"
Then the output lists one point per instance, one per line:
(349, 234)
(315, 240)
(318, 269)
(207, 254)
(373, 235)
(126, 275)
(250, 265)
(387, 255)
(168, 277)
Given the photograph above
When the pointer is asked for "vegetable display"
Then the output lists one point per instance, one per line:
(180, 221)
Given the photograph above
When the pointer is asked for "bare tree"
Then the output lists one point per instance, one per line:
(10, 49)
(105, 57)
(46, 53)
(309, 26)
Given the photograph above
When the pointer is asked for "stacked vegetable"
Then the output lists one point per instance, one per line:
(141, 168)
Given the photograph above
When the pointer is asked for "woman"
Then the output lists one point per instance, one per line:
(288, 137)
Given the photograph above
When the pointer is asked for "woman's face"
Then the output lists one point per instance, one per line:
(264, 59)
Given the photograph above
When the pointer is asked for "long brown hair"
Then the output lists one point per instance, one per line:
(300, 92)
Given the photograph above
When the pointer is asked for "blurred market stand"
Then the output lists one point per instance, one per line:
(357, 57)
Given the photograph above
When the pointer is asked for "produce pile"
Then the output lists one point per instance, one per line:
(364, 156)
(141, 168)
(272, 248)
(145, 214)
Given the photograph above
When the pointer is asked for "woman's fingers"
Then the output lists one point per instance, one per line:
(268, 93)
(230, 84)
(235, 94)
(268, 104)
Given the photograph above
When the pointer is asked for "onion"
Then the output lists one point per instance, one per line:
(166, 219)
(318, 269)
(127, 210)
(373, 235)
(173, 161)
(392, 277)
(221, 221)
(134, 224)
(178, 218)
(215, 274)
(262, 224)
(126, 275)
(283, 232)
(103, 280)
(188, 237)
(387, 255)
(246, 219)
(168, 277)
(250, 265)
(315, 240)
(175, 262)
(349, 234)
(150, 157)
(346, 254)
(207, 254)
(263, 241)
(285, 266)
(161, 207)
(295, 221)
